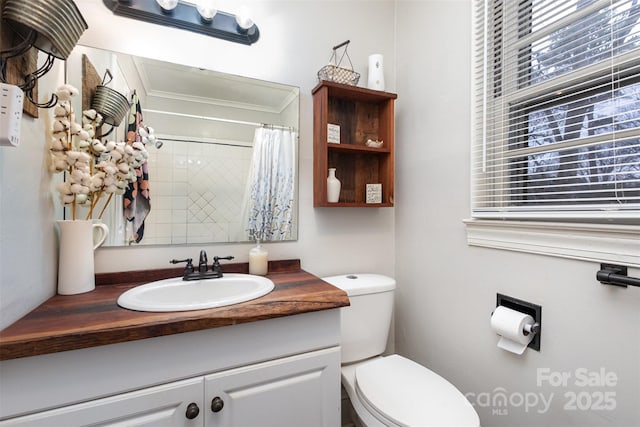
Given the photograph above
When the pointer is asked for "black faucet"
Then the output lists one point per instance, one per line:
(202, 273)
(202, 265)
(188, 269)
(215, 268)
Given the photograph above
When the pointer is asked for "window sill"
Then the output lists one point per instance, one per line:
(602, 243)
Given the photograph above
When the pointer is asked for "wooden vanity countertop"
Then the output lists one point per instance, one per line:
(92, 319)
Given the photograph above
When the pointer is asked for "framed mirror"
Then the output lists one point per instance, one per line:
(212, 131)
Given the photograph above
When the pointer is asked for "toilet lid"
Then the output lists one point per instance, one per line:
(405, 393)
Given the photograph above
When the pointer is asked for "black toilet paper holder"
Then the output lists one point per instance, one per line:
(526, 307)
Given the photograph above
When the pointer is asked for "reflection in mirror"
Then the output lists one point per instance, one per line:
(223, 155)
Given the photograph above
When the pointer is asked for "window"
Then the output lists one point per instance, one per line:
(557, 132)
(556, 145)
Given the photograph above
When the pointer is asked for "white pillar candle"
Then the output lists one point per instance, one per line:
(258, 260)
(376, 72)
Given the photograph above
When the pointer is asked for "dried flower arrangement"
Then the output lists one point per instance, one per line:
(93, 170)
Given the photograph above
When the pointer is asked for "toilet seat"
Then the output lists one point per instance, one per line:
(400, 392)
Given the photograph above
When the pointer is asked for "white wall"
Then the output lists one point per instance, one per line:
(27, 241)
(296, 40)
(447, 290)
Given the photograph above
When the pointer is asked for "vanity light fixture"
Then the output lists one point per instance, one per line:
(206, 9)
(243, 19)
(167, 5)
(188, 16)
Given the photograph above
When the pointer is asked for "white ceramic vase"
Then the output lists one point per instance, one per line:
(333, 186)
(76, 273)
(376, 72)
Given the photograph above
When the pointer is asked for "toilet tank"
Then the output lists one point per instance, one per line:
(365, 323)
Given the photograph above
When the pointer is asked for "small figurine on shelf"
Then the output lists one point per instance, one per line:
(373, 143)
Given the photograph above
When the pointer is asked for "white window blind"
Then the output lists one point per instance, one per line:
(557, 89)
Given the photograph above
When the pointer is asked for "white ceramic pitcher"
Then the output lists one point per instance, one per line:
(76, 273)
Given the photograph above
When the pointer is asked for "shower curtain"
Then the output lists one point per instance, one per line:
(267, 212)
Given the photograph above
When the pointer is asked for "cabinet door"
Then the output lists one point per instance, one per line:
(301, 390)
(160, 406)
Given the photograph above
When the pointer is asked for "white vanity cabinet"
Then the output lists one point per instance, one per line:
(296, 391)
(164, 405)
(278, 372)
(292, 391)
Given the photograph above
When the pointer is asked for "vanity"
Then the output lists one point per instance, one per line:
(271, 361)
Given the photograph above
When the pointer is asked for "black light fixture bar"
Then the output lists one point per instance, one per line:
(185, 17)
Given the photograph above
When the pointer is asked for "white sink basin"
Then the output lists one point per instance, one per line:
(179, 295)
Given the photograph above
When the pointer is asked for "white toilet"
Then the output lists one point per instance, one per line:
(390, 390)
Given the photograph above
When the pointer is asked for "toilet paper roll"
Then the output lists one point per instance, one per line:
(510, 325)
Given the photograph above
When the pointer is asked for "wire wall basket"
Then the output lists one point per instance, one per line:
(333, 72)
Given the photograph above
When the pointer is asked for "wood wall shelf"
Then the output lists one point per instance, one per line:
(362, 114)
(357, 148)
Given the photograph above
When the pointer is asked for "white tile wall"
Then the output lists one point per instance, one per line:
(199, 204)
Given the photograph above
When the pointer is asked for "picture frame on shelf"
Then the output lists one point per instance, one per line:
(333, 133)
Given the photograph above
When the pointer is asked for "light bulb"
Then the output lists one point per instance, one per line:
(167, 5)
(206, 9)
(243, 18)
